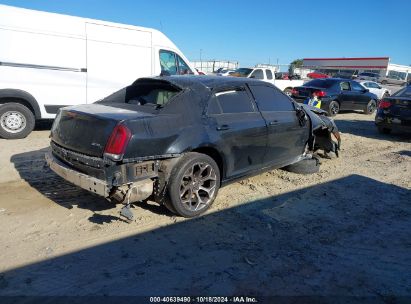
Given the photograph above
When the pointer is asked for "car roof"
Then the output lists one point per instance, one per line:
(209, 82)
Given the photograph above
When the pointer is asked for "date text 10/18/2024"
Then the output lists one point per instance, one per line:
(238, 299)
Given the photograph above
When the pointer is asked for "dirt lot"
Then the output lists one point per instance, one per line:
(345, 231)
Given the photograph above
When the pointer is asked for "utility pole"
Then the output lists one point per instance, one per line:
(201, 61)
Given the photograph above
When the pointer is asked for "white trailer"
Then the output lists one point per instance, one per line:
(48, 61)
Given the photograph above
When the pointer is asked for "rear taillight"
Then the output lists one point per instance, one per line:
(294, 92)
(319, 93)
(384, 104)
(117, 142)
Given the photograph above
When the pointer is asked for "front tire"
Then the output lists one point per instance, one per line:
(193, 184)
(333, 108)
(16, 121)
(371, 107)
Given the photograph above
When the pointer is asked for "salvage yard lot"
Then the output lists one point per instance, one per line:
(343, 231)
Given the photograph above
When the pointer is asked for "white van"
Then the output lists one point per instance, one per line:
(48, 61)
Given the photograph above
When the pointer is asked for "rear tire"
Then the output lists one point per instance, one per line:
(16, 121)
(371, 107)
(305, 166)
(333, 108)
(193, 185)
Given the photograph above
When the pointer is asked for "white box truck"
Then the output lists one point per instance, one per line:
(48, 61)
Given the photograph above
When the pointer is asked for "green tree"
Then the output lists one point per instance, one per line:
(297, 63)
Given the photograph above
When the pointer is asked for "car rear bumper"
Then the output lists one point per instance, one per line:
(139, 190)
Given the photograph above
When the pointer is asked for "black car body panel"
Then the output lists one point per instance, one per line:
(349, 99)
(192, 118)
(394, 112)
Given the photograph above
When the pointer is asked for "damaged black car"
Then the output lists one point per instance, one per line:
(175, 140)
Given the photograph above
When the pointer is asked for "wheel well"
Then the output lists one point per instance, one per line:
(18, 100)
(215, 155)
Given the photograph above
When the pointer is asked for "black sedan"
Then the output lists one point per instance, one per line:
(176, 139)
(337, 94)
(394, 112)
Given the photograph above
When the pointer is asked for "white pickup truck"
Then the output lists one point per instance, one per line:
(268, 75)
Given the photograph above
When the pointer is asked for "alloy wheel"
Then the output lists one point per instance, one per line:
(198, 186)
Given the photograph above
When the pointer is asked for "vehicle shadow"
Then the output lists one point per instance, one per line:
(316, 241)
(33, 169)
(43, 125)
(368, 129)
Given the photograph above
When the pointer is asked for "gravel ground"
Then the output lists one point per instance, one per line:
(345, 231)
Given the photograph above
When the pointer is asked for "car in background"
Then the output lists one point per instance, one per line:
(177, 139)
(337, 94)
(369, 76)
(346, 75)
(394, 112)
(317, 75)
(225, 72)
(267, 74)
(375, 88)
(392, 79)
(200, 72)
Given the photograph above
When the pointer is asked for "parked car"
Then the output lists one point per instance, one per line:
(54, 60)
(317, 75)
(394, 112)
(267, 75)
(369, 76)
(337, 94)
(391, 79)
(177, 139)
(376, 89)
(200, 72)
(225, 72)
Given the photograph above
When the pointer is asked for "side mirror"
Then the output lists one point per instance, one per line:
(365, 90)
(252, 76)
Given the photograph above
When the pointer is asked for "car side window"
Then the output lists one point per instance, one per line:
(234, 101)
(373, 85)
(269, 74)
(270, 99)
(356, 87)
(183, 68)
(168, 62)
(257, 74)
(367, 84)
(345, 86)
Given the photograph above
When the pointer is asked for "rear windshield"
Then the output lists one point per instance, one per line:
(405, 92)
(155, 94)
(242, 72)
(320, 83)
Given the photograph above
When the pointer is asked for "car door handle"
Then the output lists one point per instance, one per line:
(273, 123)
(223, 127)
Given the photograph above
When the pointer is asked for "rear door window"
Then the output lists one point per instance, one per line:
(234, 101)
(270, 99)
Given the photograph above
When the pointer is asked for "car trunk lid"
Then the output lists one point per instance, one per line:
(87, 128)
